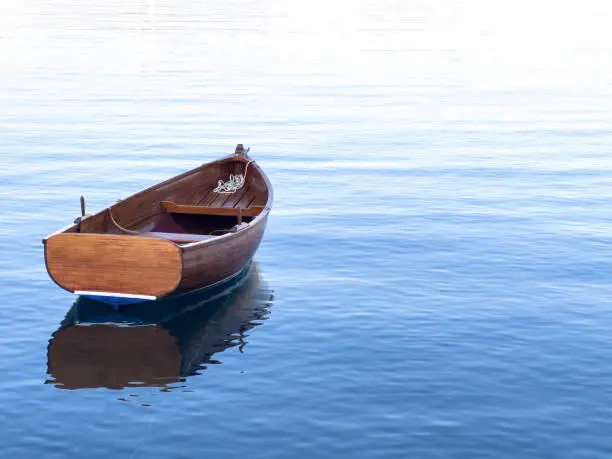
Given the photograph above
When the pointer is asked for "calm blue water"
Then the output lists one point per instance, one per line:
(434, 280)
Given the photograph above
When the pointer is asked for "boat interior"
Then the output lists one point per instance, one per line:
(215, 199)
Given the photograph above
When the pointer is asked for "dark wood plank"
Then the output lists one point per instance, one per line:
(220, 198)
(197, 195)
(245, 200)
(203, 210)
(205, 264)
(235, 197)
(207, 197)
(179, 238)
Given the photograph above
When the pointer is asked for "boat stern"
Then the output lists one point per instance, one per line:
(109, 265)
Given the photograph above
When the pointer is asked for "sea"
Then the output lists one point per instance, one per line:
(434, 278)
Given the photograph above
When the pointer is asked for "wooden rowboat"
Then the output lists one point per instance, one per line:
(191, 231)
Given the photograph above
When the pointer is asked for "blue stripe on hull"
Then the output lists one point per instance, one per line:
(114, 300)
(117, 302)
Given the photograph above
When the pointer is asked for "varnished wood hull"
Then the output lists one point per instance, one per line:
(99, 257)
(209, 263)
(113, 263)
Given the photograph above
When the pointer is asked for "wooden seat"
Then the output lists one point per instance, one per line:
(238, 212)
(204, 210)
(179, 238)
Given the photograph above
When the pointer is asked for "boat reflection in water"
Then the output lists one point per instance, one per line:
(154, 344)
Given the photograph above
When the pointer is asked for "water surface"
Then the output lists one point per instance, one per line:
(436, 259)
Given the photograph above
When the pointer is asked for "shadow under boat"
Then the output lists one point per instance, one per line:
(154, 343)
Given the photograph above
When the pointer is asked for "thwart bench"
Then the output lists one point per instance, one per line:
(186, 238)
(203, 210)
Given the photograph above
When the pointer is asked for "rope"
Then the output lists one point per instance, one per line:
(234, 183)
(117, 225)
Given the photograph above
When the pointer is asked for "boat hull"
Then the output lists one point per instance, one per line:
(205, 291)
(212, 261)
(178, 236)
(122, 270)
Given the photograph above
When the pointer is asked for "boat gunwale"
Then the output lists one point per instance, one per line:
(172, 179)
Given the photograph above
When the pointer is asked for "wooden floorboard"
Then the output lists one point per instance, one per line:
(201, 196)
(219, 199)
(245, 200)
(235, 197)
(210, 197)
